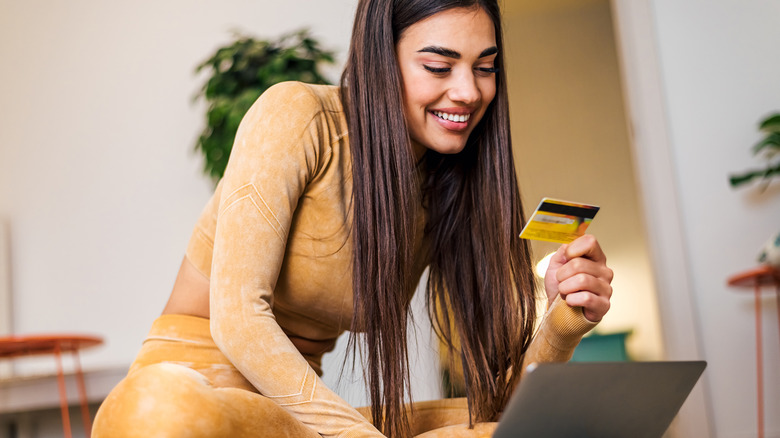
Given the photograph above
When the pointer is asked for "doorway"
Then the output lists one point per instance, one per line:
(571, 142)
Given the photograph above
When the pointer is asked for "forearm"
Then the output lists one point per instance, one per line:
(277, 152)
(559, 334)
(244, 327)
(260, 350)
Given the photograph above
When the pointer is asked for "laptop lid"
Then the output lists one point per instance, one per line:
(598, 399)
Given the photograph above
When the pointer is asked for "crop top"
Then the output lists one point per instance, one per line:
(275, 242)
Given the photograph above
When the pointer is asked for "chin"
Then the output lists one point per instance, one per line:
(451, 151)
(447, 148)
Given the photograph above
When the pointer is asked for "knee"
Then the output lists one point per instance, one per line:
(480, 430)
(161, 400)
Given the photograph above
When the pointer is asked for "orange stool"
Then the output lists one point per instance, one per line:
(755, 279)
(17, 346)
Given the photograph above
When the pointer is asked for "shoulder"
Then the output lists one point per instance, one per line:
(295, 110)
(290, 123)
(298, 100)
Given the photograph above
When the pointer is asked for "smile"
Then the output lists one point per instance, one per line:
(458, 118)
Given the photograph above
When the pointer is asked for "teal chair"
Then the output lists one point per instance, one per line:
(597, 347)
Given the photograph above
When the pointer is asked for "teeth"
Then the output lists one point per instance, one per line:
(452, 117)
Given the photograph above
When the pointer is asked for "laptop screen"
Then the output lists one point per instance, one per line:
(598, 399)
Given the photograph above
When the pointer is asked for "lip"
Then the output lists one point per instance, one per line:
(450, 125)
(457, 110)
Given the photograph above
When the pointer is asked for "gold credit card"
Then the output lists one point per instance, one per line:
(559, 221)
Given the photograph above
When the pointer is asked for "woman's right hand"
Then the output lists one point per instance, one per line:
(578, 272)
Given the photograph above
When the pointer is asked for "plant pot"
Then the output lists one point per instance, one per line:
(770, 254)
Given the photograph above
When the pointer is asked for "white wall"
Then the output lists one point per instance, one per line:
(98, 177)
(720, 79)
(717, 77)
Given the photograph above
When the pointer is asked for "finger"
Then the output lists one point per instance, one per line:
(585, 246)
(585, 283)
(550, 276)
(582, 265)
(559, 258)
(593, 307)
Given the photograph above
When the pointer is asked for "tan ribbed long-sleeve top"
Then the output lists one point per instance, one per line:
(275, 242)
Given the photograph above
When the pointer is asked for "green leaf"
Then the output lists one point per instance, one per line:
(743, 178)
(768, 173)
(238, 73)
(771, 123)
(217, 113)
(772, 141)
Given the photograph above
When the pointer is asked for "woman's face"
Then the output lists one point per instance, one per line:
(448, 75)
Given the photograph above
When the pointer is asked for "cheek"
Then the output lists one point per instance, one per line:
(489, 92)
(419, 91)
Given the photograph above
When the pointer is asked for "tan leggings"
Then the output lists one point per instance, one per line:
(181, 385)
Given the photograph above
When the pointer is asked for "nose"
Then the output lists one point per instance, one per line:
(464, 88)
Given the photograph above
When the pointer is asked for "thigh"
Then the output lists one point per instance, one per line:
(434, 414)
(480, 430)
(169, 400)
(446, 418)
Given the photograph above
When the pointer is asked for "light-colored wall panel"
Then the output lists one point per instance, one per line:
(6, 315)
(711, 83)
(719, 79)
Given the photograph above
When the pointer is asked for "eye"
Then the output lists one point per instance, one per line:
(487, 70)
(437, 70)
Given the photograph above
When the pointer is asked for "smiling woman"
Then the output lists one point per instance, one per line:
(333, 203)
(447, 91)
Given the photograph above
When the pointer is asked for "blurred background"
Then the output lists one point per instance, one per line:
(643, 107)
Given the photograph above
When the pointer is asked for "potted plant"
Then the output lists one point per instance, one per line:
(238, 74)
(769, 147)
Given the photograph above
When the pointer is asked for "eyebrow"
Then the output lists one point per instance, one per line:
(449, 53)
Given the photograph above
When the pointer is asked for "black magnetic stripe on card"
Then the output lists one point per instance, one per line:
(588, 213)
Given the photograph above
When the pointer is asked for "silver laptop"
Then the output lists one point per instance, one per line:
(598, 399)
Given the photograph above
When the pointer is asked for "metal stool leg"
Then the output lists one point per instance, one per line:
(759, 362)
(777, 291)
(63, 394)
(85, 417)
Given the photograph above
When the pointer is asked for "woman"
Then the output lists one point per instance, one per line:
(333, 203)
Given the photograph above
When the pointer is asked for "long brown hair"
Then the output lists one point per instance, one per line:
(480, 288)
